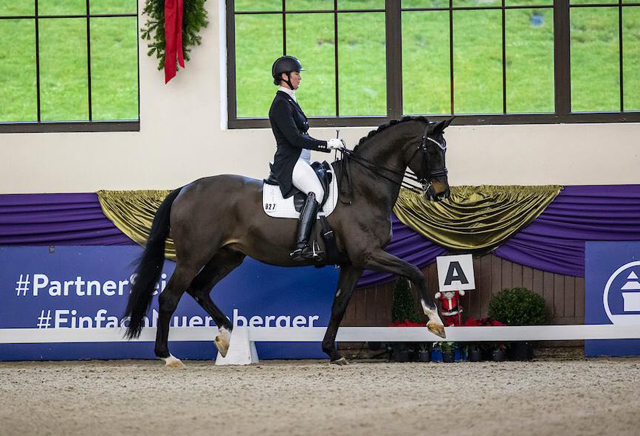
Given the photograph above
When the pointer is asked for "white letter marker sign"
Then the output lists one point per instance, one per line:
(455, 273)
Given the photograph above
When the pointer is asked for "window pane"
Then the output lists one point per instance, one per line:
(258, 5)
(63, 69)
(595, 68)
(529, 49)
(592, 2)
(362, 64)
(258, 45)
(426, 78)
(18, 71)
(62, 7)
(528, 2)
(360, 4)
(113, 6)
(631, 53)
(475, 3)
(309, 5)
(17, 7)
(425, 3)
(477, 61)
(310, 38)
(114, 68)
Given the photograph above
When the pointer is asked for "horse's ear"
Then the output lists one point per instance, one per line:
(439, 127)
(447, 122)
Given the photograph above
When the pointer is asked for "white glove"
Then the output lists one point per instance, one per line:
(336, 144)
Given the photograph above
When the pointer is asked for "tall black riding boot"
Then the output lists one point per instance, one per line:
(305, 224)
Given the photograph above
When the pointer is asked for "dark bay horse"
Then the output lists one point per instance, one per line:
(216, 221)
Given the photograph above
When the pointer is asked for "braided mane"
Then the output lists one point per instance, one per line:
(373, 133)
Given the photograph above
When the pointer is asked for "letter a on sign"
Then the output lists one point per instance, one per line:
(455, 273)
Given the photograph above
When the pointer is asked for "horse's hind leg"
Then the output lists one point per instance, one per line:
(168, 301)
(219, 266)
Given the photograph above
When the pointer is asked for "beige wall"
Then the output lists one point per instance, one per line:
(182, 138)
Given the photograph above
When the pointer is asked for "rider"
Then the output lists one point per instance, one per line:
(291, 163)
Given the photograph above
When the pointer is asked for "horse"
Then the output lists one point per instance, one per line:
(217, 221)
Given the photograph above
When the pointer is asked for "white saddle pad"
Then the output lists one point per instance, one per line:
(275, 206)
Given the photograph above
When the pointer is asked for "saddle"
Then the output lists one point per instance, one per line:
(276, 206)
(325, 176)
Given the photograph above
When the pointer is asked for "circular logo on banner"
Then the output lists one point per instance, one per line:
(621, 297)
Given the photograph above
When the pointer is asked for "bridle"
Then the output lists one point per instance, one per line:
(427, 173)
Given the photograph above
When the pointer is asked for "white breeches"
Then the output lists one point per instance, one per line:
(305, 179)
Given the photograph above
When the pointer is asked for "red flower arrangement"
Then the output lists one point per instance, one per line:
(407, 323)
(482, 322)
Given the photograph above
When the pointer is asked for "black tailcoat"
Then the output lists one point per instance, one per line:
(290, 126)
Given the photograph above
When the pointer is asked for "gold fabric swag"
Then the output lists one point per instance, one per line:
(477, 218)
(474, 218)
(132, 212)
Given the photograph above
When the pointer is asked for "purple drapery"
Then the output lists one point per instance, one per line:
(56, 219)
(553, 242)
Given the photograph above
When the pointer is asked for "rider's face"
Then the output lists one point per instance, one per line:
(295, 79)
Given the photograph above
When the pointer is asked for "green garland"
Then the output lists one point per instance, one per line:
(194, 18)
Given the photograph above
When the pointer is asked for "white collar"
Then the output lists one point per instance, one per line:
(290, 92)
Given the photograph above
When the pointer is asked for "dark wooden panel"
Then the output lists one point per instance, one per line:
(507, 268)
(569, 296)
(350, 314)
(516, 275)
(384, 307)
(579, 296)
(496, 275)
(472, 299)
(547, 291)
(371, 303)
(538, 282)
(527, 277)
(558, 296)
(486, 285)
(360, 301)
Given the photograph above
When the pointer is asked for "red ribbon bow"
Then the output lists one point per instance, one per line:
(173, 38)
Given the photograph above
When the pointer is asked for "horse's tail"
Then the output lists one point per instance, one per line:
(149, 268)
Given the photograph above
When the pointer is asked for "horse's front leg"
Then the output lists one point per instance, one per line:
(349, 276)
(380, 260)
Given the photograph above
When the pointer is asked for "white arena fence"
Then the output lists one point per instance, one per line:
(345, 334)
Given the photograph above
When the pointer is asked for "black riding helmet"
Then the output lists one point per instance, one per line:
(285, 64)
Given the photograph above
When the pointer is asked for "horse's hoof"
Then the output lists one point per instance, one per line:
(436, 329)
(340, 362)
(222, 342)
(173, 363)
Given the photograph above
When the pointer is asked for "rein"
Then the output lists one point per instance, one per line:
(348, 155)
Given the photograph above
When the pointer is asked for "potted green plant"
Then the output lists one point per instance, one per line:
(448, 351)
(403, 314)
(517, 307)
(474, 353)
(424, 353)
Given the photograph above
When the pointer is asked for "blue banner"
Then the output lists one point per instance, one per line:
(87, 287)
(612, 294)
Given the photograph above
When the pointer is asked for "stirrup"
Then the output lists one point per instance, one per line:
(307, 253)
